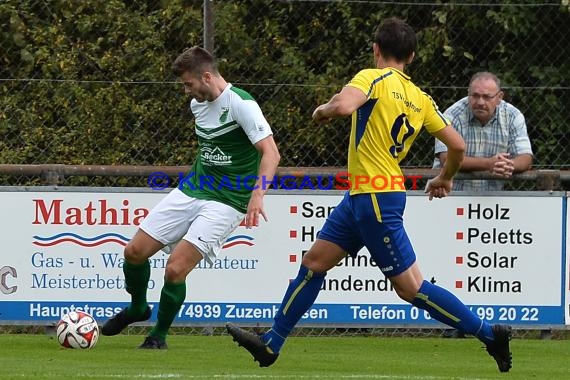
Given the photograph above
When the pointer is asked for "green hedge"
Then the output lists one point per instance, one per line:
(89, 82)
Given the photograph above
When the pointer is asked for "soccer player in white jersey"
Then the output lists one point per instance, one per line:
(226, 184)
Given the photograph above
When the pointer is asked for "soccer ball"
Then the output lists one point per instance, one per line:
(77, 329)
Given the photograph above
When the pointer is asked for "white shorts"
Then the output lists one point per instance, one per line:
(206, 224)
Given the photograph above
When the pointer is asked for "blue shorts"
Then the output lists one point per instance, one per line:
(374, 221)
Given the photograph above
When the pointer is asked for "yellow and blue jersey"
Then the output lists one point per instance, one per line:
(384, 128)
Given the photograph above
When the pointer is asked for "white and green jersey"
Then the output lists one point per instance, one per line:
(227, 165)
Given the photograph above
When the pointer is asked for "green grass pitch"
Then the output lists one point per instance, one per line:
(218, 357)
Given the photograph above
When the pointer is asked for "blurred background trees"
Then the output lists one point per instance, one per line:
(89, 82)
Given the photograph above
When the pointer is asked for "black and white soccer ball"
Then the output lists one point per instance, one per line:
(77, 329)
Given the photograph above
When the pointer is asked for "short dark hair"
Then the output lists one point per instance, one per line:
(396, 39)
(195, 60)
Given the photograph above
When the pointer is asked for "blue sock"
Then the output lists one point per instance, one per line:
(446, 308)
(299, 297)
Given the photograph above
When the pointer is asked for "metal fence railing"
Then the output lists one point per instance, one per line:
(162, 177)
(89, 83)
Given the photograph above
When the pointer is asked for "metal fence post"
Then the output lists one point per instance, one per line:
(548, 180)
(53, 176)
(209, 25)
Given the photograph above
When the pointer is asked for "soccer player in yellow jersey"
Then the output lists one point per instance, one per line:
(388, 111)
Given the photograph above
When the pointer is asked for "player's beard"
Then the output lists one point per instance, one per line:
(201, 96)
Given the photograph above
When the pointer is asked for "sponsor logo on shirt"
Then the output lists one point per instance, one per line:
(215, 157)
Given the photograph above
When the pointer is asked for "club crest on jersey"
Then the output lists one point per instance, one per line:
(224, 115)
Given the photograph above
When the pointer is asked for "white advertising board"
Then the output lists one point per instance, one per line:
(501, 255)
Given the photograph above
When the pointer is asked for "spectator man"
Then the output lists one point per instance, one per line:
(494, 131)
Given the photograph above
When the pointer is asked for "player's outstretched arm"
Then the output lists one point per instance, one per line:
(455, 151)
(348, 100)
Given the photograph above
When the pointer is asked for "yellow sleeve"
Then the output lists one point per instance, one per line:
(434, 120)
(363, 80)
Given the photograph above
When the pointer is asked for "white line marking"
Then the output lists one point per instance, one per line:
(297, 376)
(244, 376)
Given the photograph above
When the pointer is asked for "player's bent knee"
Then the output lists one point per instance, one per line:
(405, 292)
(135, 255)
(406, 295)
(175, 273)
(315, 265)
(323, 256)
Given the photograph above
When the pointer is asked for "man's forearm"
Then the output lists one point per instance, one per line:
(452, 164)
(331, 109)
(267, 169)
(522, 163)
(474, 164)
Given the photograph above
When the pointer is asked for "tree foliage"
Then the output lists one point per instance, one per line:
(89, 82)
